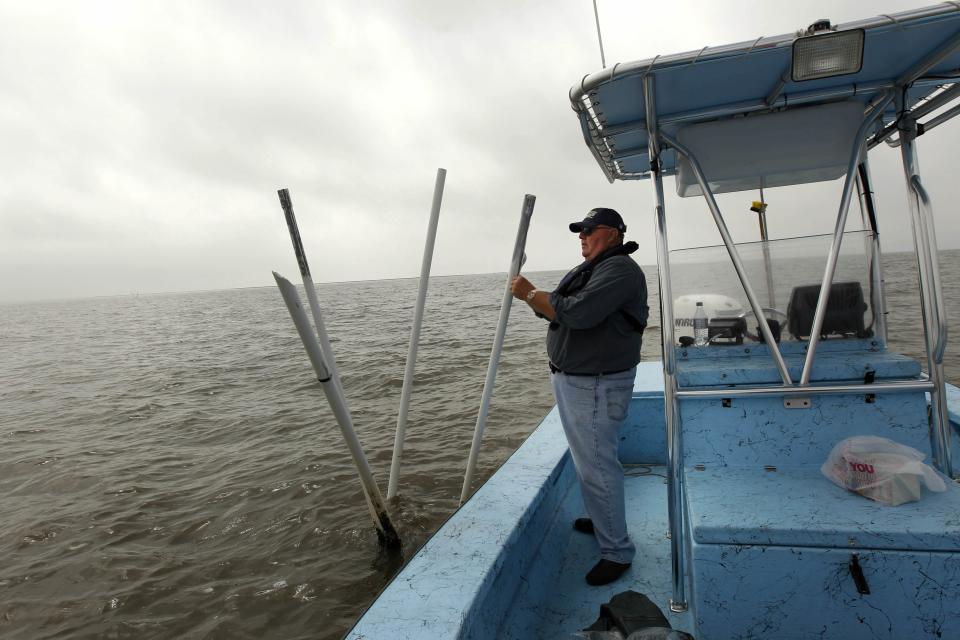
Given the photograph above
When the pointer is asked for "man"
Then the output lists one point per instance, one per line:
(597, 315)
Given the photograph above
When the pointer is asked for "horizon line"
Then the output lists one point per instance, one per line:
(261, 286)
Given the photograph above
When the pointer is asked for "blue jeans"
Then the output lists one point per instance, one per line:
(592, 408)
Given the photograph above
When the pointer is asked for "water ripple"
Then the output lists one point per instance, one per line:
(172, 468)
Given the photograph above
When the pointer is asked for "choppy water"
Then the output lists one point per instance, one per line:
(170, 468)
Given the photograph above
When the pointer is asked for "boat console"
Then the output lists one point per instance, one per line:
(769, 539)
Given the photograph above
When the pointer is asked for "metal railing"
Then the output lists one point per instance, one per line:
(678, 599)
(849, 182)
(933, 268)
(734, 257)
(931, 293)
(857, 173)
(869, 219)
(807, 390)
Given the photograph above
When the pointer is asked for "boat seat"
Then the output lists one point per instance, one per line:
(844, 314)
(798, 507)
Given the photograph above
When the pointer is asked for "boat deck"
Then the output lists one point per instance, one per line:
(508, 564)
(570, 604)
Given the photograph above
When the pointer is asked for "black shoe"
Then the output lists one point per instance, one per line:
(583, 525)
(605, 571)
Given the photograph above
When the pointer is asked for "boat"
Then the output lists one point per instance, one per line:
(739, 532)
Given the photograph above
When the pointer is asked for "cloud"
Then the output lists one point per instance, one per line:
(145, 141)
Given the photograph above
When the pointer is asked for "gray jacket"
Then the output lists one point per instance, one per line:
(591, 333)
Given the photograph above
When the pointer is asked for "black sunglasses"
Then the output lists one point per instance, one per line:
(586, 231)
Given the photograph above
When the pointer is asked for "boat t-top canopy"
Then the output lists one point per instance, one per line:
(791, 109)
(915, 53)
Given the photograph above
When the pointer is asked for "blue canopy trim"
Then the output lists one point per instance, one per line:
(752, 77)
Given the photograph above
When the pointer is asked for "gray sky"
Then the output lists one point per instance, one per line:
(144, 141)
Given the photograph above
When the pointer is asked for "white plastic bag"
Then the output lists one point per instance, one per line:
(880, 469)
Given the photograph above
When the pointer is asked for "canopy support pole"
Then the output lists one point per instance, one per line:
(931, 293)
(734, 257)
(929, 106)
(827, 282)
(415, 335)
(678, 599)
(765, 244)
(515, 261)
(868, 213)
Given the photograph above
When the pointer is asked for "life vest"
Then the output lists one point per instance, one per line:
(578, 278)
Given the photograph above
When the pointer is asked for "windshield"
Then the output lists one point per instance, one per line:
(785, 275)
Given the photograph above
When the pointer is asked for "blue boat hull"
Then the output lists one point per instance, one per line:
(768, 550)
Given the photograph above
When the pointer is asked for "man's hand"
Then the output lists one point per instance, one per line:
(540, 302)
(520, 287)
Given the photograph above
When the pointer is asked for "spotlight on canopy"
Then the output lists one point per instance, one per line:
(827, 53)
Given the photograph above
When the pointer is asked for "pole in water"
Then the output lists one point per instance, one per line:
(518, 257)
(415, 334)
(287, 204)
(378, 509)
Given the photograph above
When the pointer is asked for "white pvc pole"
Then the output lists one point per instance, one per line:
(308, 285)
(415, 335)
(378, 508)
(525, 214)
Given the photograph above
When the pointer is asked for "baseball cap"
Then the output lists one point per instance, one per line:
(601, 216)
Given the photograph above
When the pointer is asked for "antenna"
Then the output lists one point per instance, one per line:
(596, 16)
